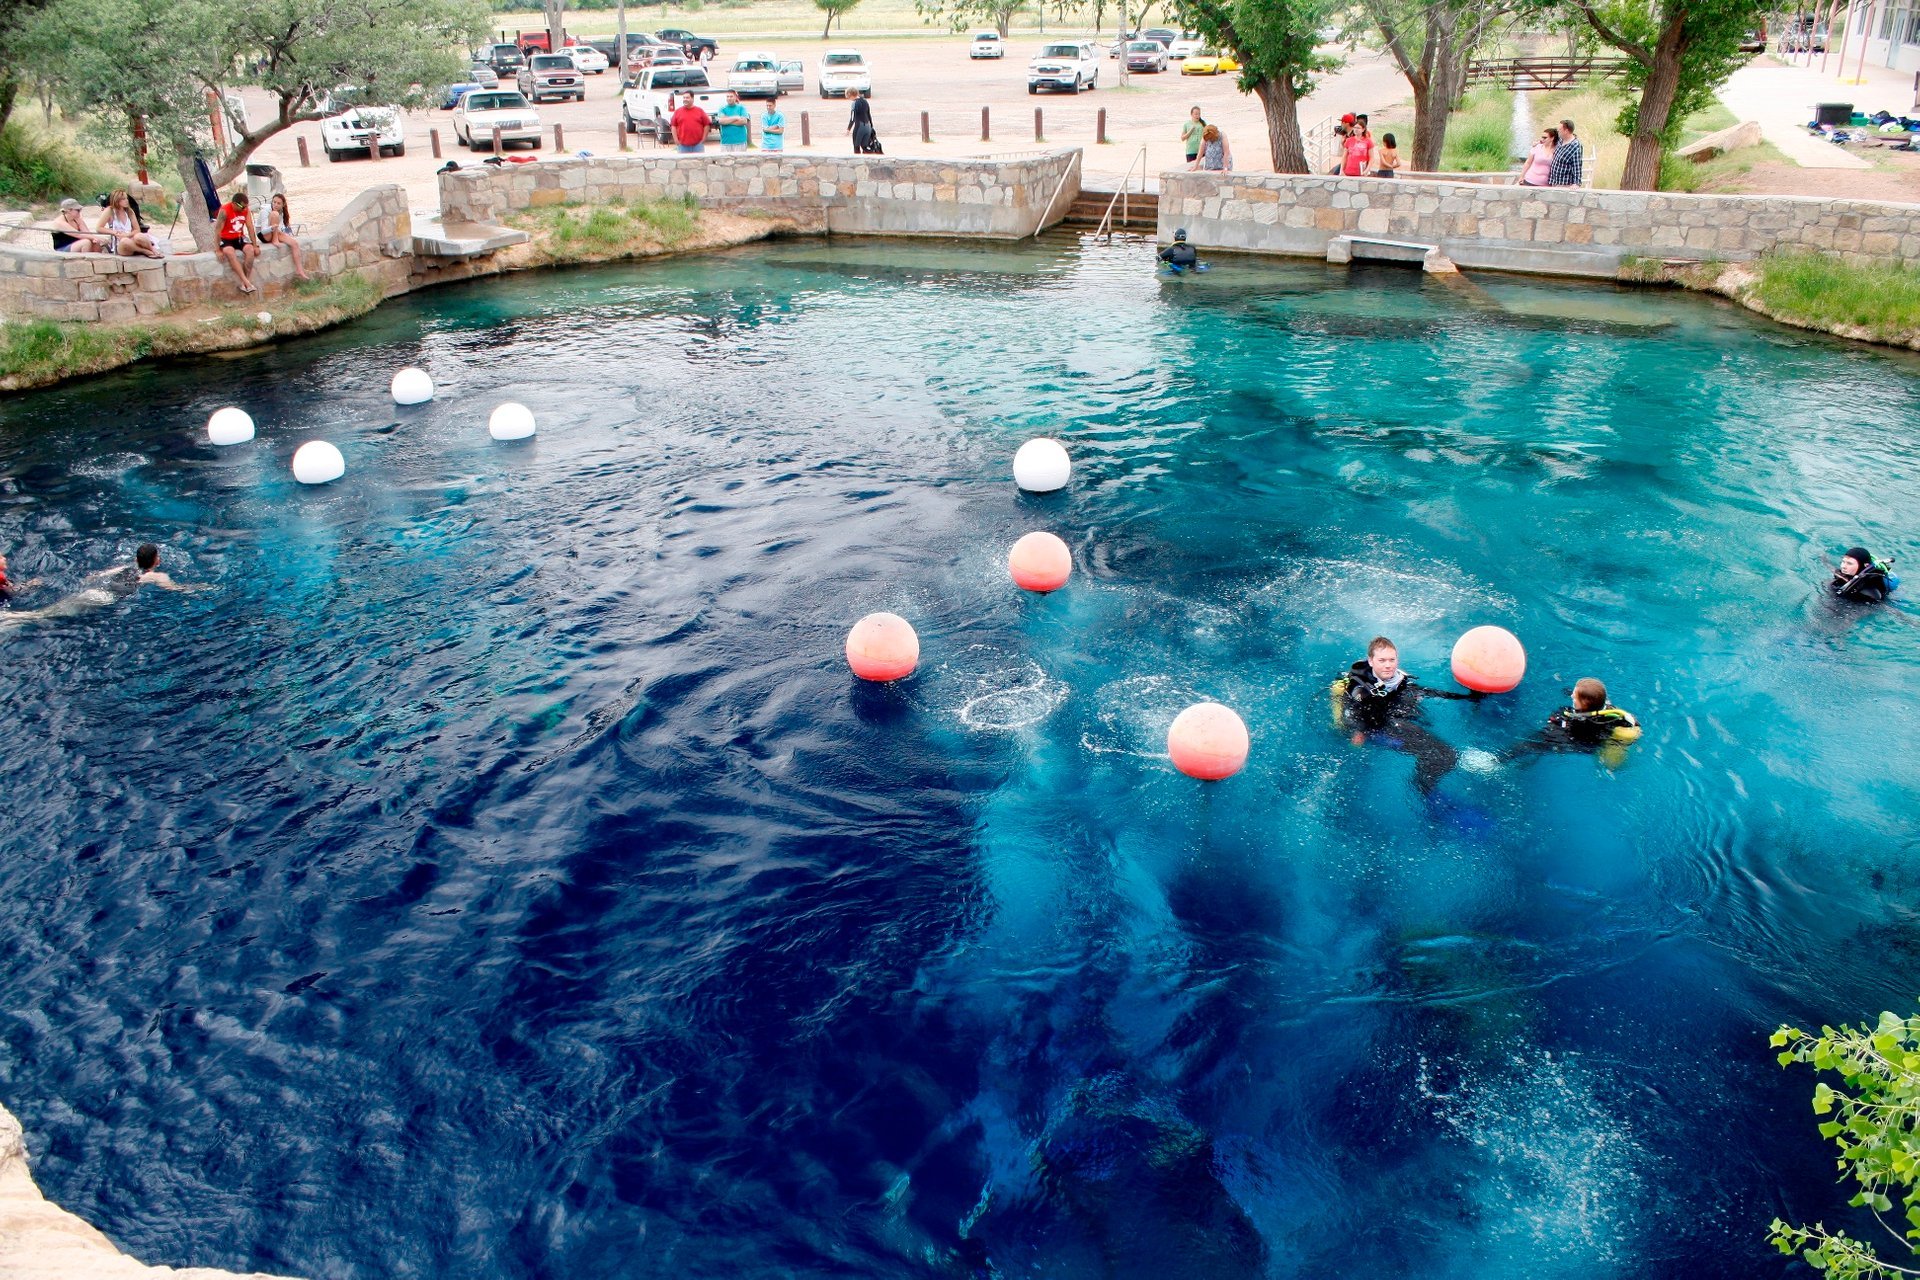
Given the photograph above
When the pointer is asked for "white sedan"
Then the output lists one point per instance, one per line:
(843, 73)
(987, 44)
(1184, 47)
(479, 112)
(755, 75)
(586, 59)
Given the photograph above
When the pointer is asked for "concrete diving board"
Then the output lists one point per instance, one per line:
(463, 239)
(1368, 248)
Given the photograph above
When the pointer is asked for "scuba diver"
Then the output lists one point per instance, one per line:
(1377, 700)
(1180, 256)
(1861, 578)
(1591, 724)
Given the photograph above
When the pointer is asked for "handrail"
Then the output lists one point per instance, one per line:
(1120, 196)
(1072, 168)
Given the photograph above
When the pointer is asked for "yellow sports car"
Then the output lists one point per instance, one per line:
(1208, 62)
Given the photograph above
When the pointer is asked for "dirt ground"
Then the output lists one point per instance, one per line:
(909, 76)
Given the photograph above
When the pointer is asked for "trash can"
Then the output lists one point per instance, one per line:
(1834, 113)
(263, 183)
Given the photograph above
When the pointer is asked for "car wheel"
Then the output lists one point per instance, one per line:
(823, 93)
(1033, 89)
(400, 150)
(333, 157)
(1095, 82)
(1078, 85)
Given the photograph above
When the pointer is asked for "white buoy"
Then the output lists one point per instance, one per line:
(412, 386)
(229, 426)
(1042, 466)
(511, 422)
(317, 462)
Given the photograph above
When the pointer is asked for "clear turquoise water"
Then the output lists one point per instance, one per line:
(498, 874)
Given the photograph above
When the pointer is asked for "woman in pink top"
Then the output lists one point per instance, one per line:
(1539, 160)
(1359, 149)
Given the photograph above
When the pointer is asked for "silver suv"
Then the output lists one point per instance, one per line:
(552, 75)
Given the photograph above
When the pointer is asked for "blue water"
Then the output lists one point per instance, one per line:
(499, 875)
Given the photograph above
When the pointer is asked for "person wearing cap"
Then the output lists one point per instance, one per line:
(1861, 578)
(73, 235)
(1180, 255)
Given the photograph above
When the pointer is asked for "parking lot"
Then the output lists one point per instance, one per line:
(910, 76)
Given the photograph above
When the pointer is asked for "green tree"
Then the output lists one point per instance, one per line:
(1680, 51)
(1276, 43)
(13, 15)
(964, 14)
(1431, 42)
(1875, 1122)
(834, 9)
(113, 59)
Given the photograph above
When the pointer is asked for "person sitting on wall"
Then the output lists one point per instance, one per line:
(128, 230)
(278, 229)
(1569, 159)
(234, 227)
(73, 235)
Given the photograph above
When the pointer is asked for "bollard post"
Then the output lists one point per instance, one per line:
(559, 139)
(986, 132)
(433, 139)
(1039, 134)
(926, 128)
(1100, 134)
(620, 131)
(806, 130)
(305, 163)
(496, 139)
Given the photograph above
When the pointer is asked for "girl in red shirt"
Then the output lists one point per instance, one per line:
(237, 245)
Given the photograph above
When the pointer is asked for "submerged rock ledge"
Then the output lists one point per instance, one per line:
(41, 1241)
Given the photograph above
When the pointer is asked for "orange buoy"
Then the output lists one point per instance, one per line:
(1489, 660)
(1040, 562)
(1208, 741)
(882, 646)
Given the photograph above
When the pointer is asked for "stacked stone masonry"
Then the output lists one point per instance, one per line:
(1569, 231)
(846, 195)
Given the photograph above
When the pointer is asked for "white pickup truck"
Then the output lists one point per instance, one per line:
(644, 105)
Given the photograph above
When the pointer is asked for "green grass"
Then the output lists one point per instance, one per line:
(611, 228)
(1479, 135)
(1825, 293)
(39, 167)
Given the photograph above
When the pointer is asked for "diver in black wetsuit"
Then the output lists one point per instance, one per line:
(1861, 578)
(1180, 255)
(1377, 700)
(1591, 724)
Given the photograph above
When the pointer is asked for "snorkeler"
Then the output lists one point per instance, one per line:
(1590, 724)
(107, 586)
(1861, 578)
(8, 587)
(1377, 700)
(1181, 256)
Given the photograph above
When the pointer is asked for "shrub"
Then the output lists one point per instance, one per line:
(35, 168)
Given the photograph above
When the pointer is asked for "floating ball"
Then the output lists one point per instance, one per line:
(229, 426)
(1040, 562)
(1489, 660)
(511, 422)
(1041, 466)
(1208, 741)
(882, 646)
(412, 386)
(317, 462)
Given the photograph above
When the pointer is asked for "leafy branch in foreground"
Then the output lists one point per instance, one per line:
(1875, 1122)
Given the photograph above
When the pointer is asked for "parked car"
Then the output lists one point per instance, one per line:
(665, 57)
(361, 128)
(793, 75)
(1208, 62)
(1753, 42)
(483, 74)
(450, 97)
(637, 44)
(586, 59)
(1064, 65)
(506, 59)
(698, 47)
(479, 112)
(754, 75)
(1120, 43)
(843, 73)
(1165, 35)
(551, 75)
(1804, 39)
(1146, 55)
(1184, 46)
(644, 105)
(987, 44)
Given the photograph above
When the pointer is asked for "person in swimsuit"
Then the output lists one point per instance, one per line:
(73, 235)
(278, 229)
(8, 587)
(105, 586)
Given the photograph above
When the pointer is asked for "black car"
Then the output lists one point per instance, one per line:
(505, 59)
(699, 48)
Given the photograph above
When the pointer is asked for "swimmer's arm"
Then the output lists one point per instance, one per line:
(166, 582)
(1451, 695)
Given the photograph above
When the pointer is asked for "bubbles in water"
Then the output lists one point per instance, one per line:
(1133, 715)
(1002, 693)
(1474, 760)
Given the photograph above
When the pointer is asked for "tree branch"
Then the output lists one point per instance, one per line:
(1632, 48)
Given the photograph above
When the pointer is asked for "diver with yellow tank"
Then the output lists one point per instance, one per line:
(1591, 724)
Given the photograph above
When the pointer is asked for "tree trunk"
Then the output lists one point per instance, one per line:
(1000, 20)
(1649, 141)
(1429, 128)
(9, 91)
(555, 11)
(192, 207)
(1281, 106)
(621, 70)
(829, 27)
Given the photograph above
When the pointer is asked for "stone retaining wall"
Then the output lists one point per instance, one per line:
(373, 235)
(845, 195)
(1569, 231)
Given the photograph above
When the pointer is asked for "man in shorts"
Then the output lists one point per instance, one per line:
(234, 226)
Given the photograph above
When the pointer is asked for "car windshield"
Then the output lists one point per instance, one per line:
(493, 101)
(986, 38)
(845, 60)
(506, 51)
(752, 64)
(680, 78)
(553, 62)
(1061, 51)
(1143, 46)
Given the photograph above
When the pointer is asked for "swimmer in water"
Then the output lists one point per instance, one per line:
(1591, 724)
(1862, 579)
(10, 588)
(1377, 700)
(107, 586)
(1180, 255)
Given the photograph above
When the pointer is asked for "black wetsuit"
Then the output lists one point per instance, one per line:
(1569, 729)
(1179, 254)
(866, 141)
(1388, 714)
(1869, 586)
